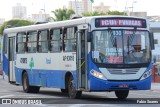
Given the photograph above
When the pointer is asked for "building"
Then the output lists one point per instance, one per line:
(82, 6)
(19, 11)
(86, 5)
(138, 14)
(72, 5)
(101, 8)
(153, 18)
(40, 17)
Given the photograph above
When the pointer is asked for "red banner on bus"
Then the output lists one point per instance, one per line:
(114, 59)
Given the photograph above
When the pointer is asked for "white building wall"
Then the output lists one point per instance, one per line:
(19, 11)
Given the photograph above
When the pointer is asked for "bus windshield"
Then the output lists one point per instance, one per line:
(121, 46)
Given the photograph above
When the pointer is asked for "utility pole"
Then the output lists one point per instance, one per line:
(76, 6)
(132, 4)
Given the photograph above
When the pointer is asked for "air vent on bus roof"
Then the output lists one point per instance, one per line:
(76, 17)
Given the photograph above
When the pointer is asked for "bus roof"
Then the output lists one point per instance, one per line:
(73, 22)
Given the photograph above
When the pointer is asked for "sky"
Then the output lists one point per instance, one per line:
(34, 6)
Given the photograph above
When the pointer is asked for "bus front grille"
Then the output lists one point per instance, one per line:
(123, 71)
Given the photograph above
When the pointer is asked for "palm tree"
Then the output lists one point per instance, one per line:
(94, 13)
(63, 14)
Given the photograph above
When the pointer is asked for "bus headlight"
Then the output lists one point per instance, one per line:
(146, 75)
(97, 74)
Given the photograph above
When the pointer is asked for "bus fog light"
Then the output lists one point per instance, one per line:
(97, 74)
(101, 76)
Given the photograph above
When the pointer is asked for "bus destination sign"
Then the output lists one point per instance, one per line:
(120, 22)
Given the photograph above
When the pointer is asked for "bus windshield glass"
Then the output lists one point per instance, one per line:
(121, 46)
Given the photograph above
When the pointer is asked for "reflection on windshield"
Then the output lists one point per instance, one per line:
(121, 46)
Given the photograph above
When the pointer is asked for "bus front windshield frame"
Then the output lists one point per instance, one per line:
(121, 46)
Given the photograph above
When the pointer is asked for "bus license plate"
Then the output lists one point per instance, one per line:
(123, 86)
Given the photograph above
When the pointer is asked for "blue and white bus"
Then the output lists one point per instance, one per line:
(102, 53)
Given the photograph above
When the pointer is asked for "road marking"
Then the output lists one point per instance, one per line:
(143, 94)
(44, 105)
(5, 96)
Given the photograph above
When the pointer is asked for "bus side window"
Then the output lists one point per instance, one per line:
(5, 43)
(43, 41)
(55, 37)
(32, 42)
(70, 39)
(21, 42)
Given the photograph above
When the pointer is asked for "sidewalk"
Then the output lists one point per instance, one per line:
(5, 78)
(155, 86)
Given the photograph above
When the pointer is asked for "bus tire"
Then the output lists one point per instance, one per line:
(26, 87)
(122, 94)
(35, 89)
(72, 92)
(65, 91)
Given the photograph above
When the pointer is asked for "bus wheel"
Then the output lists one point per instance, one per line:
(65, 91)
(72, 92)
(122, 94)
(26, 87)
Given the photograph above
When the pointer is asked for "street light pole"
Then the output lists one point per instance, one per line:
(132, 4)
(125, 9)
(44, 14)
(44, 10)
(76, 6)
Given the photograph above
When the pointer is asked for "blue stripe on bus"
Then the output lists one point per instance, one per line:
(5, 64)
(44, 78)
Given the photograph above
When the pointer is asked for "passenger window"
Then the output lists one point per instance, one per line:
(5, 43)
(70, 39)
(21, 42)
(56, 42)
(43, 41)
(32, 42)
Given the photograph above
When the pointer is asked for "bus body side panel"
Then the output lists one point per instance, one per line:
(44, 78)
(97, 84)
(45, 70)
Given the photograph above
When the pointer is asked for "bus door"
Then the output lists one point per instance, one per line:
(82, 59)
(11, 57)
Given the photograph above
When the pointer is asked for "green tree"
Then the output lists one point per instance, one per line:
(95, 13)
(14, 23)
(116, 13)
(63, 14)
(102, 14)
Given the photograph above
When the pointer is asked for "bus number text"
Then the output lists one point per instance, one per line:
(68, 58)
(23, 60)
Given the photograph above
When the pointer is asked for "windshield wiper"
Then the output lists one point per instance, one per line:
(128, 44)
(115, 45)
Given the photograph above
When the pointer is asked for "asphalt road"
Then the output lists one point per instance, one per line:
(54, 97)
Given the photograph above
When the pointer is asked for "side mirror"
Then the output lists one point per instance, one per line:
(88, 36)
(152, 40)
